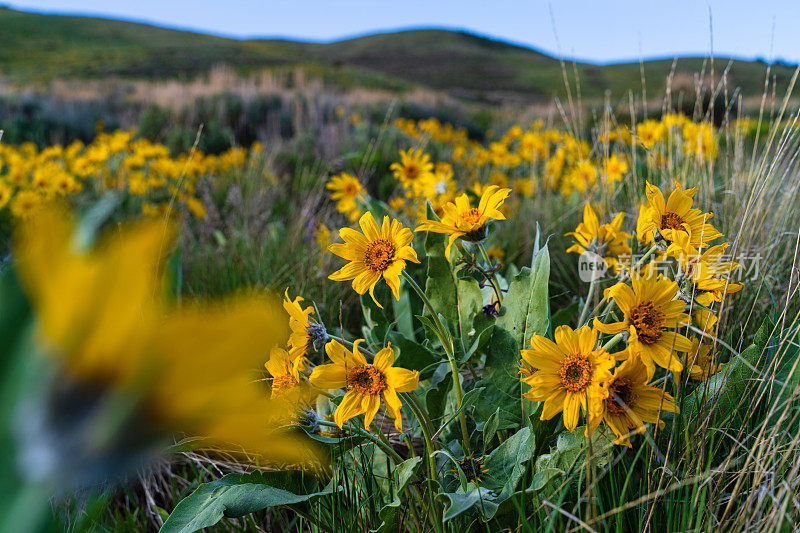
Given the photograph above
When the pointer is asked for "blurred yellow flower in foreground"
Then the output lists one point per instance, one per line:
(193, 370)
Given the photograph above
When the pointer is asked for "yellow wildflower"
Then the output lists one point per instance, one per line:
(650, 311)
(631, 402)
(376, 252)
(462, 220)
(570, 375)
(366, 384)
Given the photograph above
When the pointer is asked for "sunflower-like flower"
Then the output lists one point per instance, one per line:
(101, 319)
(666, 219)
(650, 311)
(569, 374)
(632, 402)
(607, 240)
(462, 220)
(375, 253)
(347, 190)
(285, 370)
(366, 384)
(472, 467)
(705, 270)
(414, 171)
(307, 336)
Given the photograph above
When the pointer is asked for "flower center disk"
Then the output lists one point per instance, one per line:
(282, 383)
(622, 397)
(379, 255)
(670, 220)
(471, 217)
(366, 380)
(648, 320)
(576, 373)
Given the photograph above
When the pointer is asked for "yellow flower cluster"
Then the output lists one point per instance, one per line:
(674, 132)
(113, 161)
(656, 313)
(525, 159)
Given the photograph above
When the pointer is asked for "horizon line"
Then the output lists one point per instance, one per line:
(398, 29)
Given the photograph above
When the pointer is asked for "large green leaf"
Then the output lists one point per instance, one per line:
(459, 502)
(526, 310)
(401, 476)
(506, 465)
(569, 454)
(236, 495)
(413, 355)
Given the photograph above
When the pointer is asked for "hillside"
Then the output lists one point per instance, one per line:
(36, 47)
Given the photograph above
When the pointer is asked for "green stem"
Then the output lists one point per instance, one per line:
(613, 340)
(587, 303)
(493, 279)
(644, 258)
(442, 333)
(425, 425)
(447, 342)
(387, 449)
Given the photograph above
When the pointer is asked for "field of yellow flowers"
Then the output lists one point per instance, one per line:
(546, 329)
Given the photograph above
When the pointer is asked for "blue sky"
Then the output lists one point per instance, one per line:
(594, 30)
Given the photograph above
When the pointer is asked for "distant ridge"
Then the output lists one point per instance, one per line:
(39, 47)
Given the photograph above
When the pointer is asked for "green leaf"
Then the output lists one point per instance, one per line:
(402, 475)
(490, 428)
(440, 397)
(93, 219)
(413, 355)
(376, 323)
(236, 495)
(459, 502)
(467, 401)
(570, 449)
(507, 463)
(725, 389)
(526, 310)
(565, 315)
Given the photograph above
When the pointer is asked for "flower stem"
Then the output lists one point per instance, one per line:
(425, 425)
(447, 342)
(613, 340)
(587, 303)
(644, 258)
(387, 449)
(493, 279)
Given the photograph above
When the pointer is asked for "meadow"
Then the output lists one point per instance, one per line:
(364, 311)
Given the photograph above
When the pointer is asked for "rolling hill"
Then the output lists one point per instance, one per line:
(37, 47)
